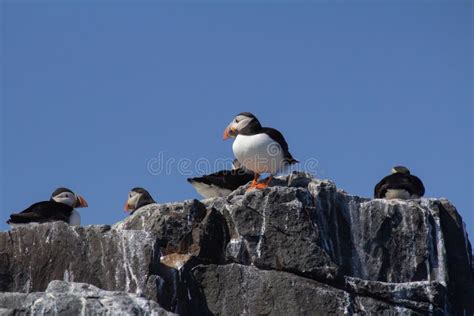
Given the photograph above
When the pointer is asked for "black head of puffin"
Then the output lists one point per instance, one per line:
(137, 197)
(244, 123)
(66, 196)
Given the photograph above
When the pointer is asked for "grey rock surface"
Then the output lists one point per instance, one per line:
(117, 260)
(301, 246)
(66, 298)
(235, 289)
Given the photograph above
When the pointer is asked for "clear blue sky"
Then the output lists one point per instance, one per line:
(93, 90)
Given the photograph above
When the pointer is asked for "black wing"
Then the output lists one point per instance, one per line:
(417, 186)
(278, 137)
(42, 212)
(399, 181)
(227, 179)
(381, 188)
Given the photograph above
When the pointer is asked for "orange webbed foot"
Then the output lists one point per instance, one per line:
(261, 185)
(252, 186)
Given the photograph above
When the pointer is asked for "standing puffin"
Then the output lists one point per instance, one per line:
(259, 149)
(137, 197)
(61, 207)
(399, 185)
(223, 182)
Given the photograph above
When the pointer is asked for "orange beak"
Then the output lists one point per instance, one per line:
(226, 134)
(229, 132)
(81, 201)
(126, 207)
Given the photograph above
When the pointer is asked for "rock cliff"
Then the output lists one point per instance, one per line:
(299, 247)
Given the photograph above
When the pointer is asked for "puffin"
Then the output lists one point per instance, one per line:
(400, 184)
(137, 197)
(258, 149)
(222, 183)
(60, 207)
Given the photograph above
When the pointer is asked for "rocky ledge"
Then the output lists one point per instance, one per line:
(64, 298)
(300, 246)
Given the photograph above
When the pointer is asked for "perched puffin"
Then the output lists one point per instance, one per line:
(61, 207)
(259, 149)
(137, 198)
(223, 182)
(399, 185)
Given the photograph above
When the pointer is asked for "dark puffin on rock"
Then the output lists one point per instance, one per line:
(61, 207)
(399, 185)
(137, 197)
(258, 149)
(223, 182)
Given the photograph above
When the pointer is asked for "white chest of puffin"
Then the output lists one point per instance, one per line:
(259, 153)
